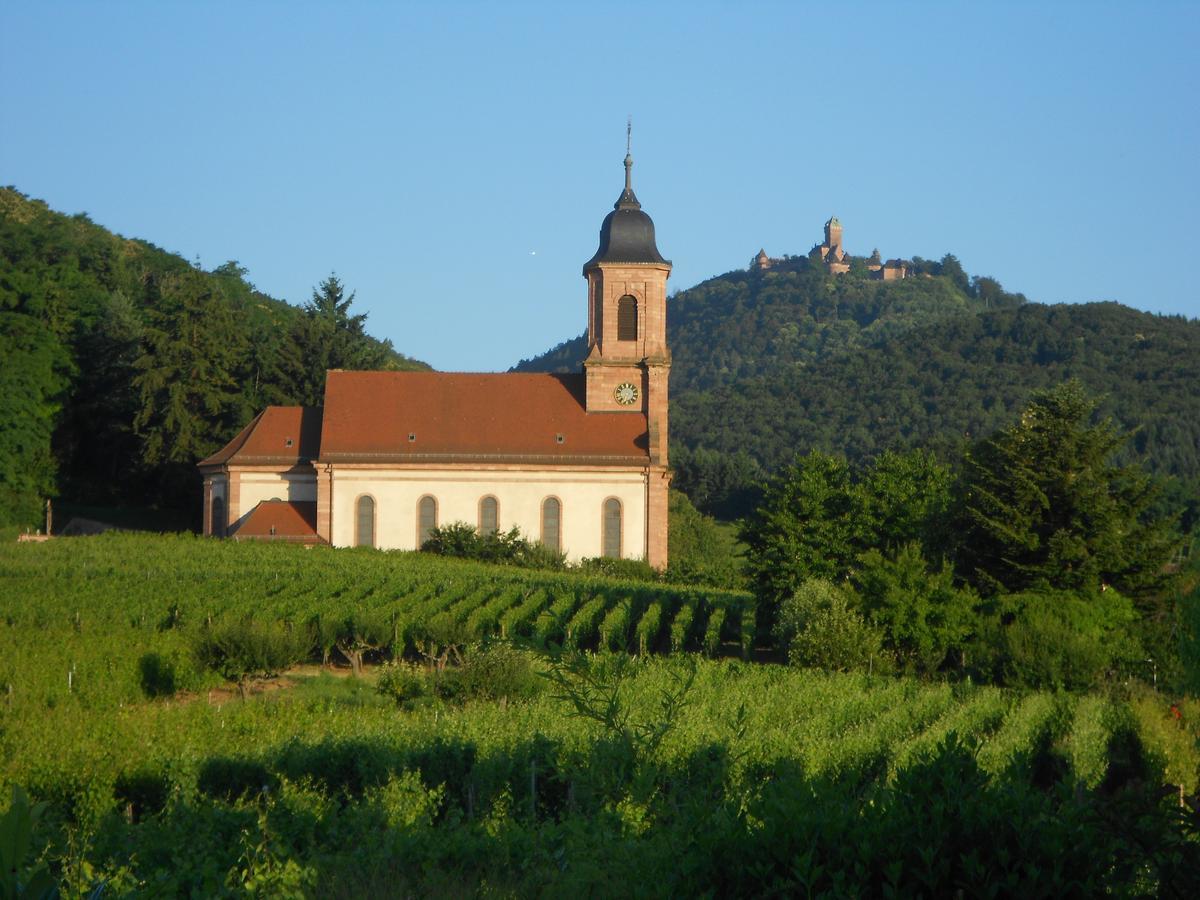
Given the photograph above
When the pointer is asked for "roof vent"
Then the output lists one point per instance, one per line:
(412, 436)
(559, 438)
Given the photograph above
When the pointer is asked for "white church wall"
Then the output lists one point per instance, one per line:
(255, 486)
(259, 486)
(519, 494)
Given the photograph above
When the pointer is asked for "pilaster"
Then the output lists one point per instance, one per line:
(325, 502)
(233, 502)
(658, 481)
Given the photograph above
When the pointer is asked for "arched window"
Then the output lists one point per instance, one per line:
(364, 522)
(552, 523)
(217, 527)
(489, 515)
(627, 316)
(612, 528)
(426, 519)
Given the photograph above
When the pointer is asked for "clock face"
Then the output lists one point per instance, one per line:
(626, 394)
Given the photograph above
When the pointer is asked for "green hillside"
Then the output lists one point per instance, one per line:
(124, 364)
(768, 364)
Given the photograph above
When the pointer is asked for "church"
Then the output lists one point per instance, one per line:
(578, 461)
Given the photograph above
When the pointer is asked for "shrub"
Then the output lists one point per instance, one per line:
(496, 672)
(629, 569)
(165, 674)
(242, 650)
(403, 682)
(819, 628)
(1056, 639)
(461, 540)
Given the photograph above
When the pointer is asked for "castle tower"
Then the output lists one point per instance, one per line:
(833, 238)
(628, 363)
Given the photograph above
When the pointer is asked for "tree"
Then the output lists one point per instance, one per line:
(189, 397)
(804, 529)
(922, 615)
(906, 497)
(330, 304)
(1045, 508)
(31, 383)
(328, 337)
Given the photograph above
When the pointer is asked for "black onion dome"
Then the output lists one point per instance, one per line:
(627, 235)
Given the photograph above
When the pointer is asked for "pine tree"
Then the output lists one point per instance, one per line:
(1045, 508)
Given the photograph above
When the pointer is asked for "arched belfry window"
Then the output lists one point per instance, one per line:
(364, 522)
(627, 319)
(489, 515)
(217, 528)
(426, 519)
(612, 528)
(552, 523)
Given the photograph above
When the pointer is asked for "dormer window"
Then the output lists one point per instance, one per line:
(412, 437)
(287, 442)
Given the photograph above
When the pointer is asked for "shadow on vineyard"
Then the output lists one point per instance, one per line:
(362, 816)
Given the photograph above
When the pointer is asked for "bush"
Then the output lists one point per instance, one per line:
(819, 628)
(629, 569)
(463, 541)
(403, 682)
(242, 650)
(165, 674)
(1057, 639)
(496, 672)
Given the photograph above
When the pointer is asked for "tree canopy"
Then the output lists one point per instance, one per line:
(124, 364)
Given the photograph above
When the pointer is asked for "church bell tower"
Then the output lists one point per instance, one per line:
(628, 362)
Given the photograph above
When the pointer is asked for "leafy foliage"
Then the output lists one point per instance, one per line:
(464, 541)
(818, 516)
(820, 627)
(124, 364)
(923, 614)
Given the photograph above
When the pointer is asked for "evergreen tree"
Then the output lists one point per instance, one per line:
(330, 304)
(189, 397)
(31, 382)
(1045, 508)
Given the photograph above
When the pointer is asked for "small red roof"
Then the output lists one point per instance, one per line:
(279, 435)
(457, 417)
(280, 520)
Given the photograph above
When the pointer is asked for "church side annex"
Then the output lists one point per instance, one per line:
(577, 461)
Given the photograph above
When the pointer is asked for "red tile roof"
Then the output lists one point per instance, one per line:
(455, 417)
(280, 520)
(265, 441)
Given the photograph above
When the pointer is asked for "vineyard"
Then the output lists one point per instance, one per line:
(653, 771)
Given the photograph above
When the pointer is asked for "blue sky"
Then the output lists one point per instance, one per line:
(453, 162)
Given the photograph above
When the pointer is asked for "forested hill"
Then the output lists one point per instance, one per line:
(749, 323)
(123, 364)
(770, 364)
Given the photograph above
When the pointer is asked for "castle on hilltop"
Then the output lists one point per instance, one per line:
(836, 260)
